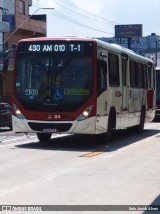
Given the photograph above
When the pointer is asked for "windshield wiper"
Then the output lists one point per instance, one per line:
(56, 69)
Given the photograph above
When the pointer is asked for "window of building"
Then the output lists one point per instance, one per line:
(22, 7)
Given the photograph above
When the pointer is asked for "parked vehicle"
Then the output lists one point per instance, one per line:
(5, 115)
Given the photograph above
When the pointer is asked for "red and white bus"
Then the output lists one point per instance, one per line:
(80, 86)
(157, 114)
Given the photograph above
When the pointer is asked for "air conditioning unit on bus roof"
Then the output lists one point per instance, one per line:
(29, 2)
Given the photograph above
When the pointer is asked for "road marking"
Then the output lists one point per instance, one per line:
(93, 153)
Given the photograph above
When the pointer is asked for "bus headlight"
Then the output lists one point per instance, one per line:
(85, 114)
(18, 112)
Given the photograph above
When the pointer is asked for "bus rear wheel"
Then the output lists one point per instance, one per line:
(111, 126)
(43, 137)
(140, 127)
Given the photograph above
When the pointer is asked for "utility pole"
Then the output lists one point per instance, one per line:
(129, 42)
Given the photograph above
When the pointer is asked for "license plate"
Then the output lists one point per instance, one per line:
(50, 130)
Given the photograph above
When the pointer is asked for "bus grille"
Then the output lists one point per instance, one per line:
(60, 127)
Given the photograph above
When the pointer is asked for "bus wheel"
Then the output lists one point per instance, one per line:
(10, 127)
(111, 126)
(43, 137)
(140, 127)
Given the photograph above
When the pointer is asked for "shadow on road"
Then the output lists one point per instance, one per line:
(87, 143)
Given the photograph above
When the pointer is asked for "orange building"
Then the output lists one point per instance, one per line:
(22, 25)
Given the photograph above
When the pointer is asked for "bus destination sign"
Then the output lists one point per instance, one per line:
(72, 47)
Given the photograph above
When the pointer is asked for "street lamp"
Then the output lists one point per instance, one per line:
(44, 8)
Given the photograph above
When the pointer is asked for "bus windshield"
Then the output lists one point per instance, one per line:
(53, 81)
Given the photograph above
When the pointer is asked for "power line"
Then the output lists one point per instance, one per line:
(78, 23)
(88, 12)
(83, 12)
(66, 18)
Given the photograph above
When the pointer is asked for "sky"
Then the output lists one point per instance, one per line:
(97, 18)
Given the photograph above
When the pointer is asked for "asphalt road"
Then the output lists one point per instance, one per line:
(81, 170)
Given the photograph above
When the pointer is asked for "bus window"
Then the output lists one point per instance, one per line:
(102, 74)
(157, 86)
(149, 77)
(113, 64)
(144, 76)
(124, 70)
(133, 74)
(154, 78)
(140, 75)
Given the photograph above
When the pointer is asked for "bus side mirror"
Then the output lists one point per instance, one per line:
(5, 65)
(9, 54)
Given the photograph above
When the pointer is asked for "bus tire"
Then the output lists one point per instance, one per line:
(43, 137)
(111, 126)
(140, 127)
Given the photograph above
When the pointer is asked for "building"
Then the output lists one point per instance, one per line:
(16, 23)
(141, 45)
(15, 13)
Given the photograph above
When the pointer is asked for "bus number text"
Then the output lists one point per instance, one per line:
(33, 92)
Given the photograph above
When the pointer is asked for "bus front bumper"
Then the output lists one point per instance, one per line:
(69, 127)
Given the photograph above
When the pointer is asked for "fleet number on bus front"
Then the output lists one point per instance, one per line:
(55, 48)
